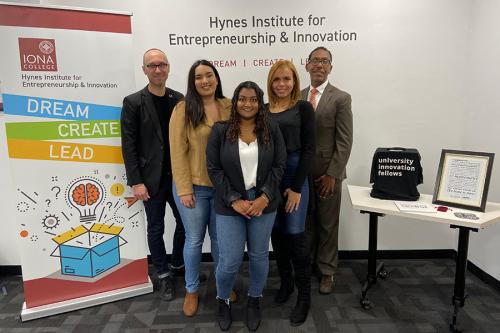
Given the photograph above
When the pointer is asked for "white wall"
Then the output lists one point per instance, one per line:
(406, 92)
(482, 129)
(407, 73)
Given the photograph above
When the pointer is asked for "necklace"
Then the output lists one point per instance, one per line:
(246, 134)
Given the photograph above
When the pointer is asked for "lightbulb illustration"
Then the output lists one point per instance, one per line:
(85, 194)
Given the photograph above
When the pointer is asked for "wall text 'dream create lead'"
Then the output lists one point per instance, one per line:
(58, 108)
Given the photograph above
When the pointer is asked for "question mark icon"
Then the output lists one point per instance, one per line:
(48, 202)
(58, 190)
(110, 205)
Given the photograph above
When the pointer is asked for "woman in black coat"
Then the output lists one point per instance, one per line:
(245, 159)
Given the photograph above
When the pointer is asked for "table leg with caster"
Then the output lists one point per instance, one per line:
(458, 299)
(374, 271)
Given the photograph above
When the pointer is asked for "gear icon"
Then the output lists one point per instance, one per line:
(50, 222)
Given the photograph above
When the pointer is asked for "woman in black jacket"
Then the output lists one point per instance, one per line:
(245, 159)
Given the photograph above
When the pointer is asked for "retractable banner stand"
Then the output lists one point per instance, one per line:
(64, 74)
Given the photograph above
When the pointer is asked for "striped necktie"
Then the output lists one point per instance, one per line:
(312, 97)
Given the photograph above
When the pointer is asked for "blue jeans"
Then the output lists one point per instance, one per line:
(195, 222)
(292, 223)
(233, 232)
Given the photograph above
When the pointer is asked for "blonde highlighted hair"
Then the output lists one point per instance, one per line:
(295, 94)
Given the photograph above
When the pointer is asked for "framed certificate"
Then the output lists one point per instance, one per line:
(463, 179)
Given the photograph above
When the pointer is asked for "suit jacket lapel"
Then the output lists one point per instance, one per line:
(305, 92)
(150, 108)
(234, 151)
(327, 94)
(261, 157)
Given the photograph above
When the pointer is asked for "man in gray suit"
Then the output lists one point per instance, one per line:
(333, 147)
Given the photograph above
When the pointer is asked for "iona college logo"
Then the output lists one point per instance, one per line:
(46, 46)
(38, 54)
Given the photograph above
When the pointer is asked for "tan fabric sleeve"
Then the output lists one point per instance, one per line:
(179, 150)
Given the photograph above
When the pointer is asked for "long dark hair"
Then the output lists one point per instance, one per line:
(261, 129)
(194, 104)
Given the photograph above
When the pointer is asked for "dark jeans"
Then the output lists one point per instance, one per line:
(292, 223)
(288, 238)
(155, 213)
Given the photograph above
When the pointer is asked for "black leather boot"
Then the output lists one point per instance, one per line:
(302, 266)
(224, 318)
(300, 311)
(281, 247)
(167, 288)
(252, 320)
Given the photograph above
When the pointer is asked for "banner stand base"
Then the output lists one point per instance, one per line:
(85, 302)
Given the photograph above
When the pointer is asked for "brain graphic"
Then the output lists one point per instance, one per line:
(92, 193)
(85, 194)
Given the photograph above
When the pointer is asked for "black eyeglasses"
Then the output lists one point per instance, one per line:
(162, 66)
(322, 62)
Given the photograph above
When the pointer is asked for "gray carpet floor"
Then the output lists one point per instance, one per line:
(416, 297)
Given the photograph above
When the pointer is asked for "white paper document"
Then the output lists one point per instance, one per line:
(414, 206)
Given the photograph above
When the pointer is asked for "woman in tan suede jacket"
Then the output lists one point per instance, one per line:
(190, 126)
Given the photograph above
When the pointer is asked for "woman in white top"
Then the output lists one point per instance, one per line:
(246, 158)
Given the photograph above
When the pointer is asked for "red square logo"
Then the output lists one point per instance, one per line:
(38, 54)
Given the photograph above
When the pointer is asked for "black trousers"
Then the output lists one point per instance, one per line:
(155, 214)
